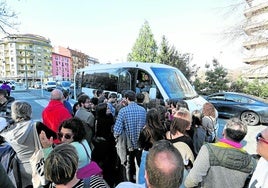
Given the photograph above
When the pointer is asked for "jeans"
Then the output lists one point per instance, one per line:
(141, 178)
(131, 168)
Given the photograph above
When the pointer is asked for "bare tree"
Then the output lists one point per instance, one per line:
(8, 18)
(235, 11)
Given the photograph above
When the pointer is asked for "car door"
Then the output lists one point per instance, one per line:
(223, 103)
(217, 100)
(233, 106)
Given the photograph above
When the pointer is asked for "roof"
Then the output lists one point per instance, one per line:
(126, 64)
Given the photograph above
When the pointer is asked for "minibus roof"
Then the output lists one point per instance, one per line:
(125, 64)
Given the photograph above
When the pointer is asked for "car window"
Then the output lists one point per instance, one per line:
(233, 98)
(219, 97)
(51, 83)
(239, 98)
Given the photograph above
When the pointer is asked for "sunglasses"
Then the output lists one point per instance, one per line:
(66, 136)
(260, 138)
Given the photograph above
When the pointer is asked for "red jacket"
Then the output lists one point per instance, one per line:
(54, 114)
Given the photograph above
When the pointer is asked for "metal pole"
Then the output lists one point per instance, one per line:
(26, 70)
(42, 91)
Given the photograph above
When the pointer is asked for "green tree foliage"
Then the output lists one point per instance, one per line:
(8, 18)
(145, 47)
(257, 88)
(170, 56)
(199, 86)
(145, 50)
(216, 78)
(239, 85)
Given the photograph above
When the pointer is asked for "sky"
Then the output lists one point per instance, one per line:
(108, 29)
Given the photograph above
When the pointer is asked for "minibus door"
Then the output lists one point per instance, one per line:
(124, 81)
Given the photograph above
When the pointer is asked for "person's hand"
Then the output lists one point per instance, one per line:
(45, 142)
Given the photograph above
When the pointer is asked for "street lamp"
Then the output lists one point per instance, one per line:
(26, 70)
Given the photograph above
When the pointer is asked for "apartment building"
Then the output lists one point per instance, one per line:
(25, 57)
(80, 60)
(256, 45)
(61, 64)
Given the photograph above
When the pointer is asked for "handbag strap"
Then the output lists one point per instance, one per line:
(86, 150)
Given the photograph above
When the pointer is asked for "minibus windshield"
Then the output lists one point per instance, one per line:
(174, 83)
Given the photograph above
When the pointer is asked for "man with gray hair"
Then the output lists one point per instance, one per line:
(55, 112)
(225, 163)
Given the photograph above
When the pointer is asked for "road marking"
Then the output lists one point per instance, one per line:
(42, 102)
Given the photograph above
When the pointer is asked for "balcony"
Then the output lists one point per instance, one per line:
(256, 10)
(256, 60)
(253, 27)
(254, 43)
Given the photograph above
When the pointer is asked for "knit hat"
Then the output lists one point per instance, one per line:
(3, 123)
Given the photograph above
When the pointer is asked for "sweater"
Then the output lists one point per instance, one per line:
(54, 114)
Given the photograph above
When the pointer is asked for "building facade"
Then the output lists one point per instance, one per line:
(25, 58)
(76, 60)
(61, 64)
(256, 45)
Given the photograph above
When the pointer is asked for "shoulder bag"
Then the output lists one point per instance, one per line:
(90, 169)
(37, 162)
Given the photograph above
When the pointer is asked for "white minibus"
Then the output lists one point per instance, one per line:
(162, 81)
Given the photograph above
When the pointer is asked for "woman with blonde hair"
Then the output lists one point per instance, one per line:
(209, 120)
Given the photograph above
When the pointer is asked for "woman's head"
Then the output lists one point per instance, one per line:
(184, 114)
(179, 125)
(61, 164)
(208, 110)
(75, 107)
(101, 109)
(72, 130)
(21, 111)
(153, 118)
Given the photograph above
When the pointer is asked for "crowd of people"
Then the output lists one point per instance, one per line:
(100, 142)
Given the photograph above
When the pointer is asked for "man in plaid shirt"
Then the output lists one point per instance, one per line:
(130, 120)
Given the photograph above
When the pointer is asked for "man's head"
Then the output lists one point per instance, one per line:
(235, 130)
(112, 97)
(262, 143)
(99, 92)
(84, 101)
(56, 94)
(140, 97)
(61, 164)
(164, 166)
(130, 95)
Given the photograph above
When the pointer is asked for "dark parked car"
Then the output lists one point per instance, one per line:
(64, 85)
(250, 109)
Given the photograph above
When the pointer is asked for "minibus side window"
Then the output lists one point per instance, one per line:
(124, 82)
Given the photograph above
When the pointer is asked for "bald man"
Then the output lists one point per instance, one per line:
(55, 112)
(164, 167)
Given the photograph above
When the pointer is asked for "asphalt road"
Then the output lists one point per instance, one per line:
(39, 100)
